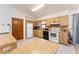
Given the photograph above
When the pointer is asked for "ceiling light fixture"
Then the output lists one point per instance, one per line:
(38, 7)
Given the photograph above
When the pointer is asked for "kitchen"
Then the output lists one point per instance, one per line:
(54, 29)
(39, 29)
(55, 25)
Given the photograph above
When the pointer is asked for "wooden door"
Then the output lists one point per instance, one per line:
(17, 28)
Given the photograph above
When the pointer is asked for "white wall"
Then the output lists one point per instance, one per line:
(55, 15)
(7, 12)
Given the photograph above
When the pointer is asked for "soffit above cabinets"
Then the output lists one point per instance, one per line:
(46, 10)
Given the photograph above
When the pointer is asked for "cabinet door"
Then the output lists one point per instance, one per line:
(64, 36)
(36, 33)
(47, 22)
(52, 20)
(39, 33)
(34, 23)
(38, 23)
(64, 20)
(55, 20)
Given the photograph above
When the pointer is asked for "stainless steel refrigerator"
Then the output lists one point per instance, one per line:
(76, 28)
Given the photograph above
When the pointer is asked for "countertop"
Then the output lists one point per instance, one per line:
(42, 30)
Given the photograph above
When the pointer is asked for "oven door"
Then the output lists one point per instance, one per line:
(54, 36)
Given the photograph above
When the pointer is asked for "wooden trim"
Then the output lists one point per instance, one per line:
(17, 18)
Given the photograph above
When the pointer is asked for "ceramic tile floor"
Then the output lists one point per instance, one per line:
(66, 49)
(77, 49)
(70, 49)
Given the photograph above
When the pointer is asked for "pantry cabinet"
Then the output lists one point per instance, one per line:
(64, 35)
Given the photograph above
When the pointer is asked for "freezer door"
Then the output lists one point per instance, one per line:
(29, 33)
(29, 30)
(29, 25)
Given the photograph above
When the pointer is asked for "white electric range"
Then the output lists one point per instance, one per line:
(54, 34)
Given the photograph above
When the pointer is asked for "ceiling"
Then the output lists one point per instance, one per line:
(46, 10)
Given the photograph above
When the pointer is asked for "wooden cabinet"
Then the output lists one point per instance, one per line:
(51, 20)
(55, 20)
(64, 20)
(34, 33)
(28, 21)
(38, 33)
(64, 35)
(36, 23)
(47, 22)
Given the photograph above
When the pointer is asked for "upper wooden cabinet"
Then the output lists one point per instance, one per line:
(47, 22)
(64, 20)
(36, 23)
(61, 20)
(51, 20)
(54, 20)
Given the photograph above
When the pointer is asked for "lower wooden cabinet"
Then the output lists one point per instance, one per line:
(63, 35)
(38, 33)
